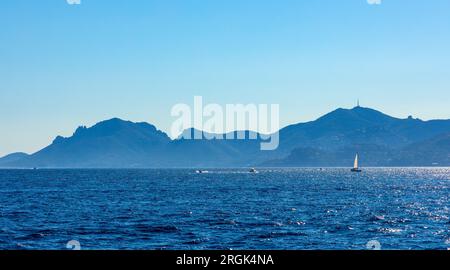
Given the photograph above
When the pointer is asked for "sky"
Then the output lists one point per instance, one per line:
(62, 66)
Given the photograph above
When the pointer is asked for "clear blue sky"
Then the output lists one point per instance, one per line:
(63, 65)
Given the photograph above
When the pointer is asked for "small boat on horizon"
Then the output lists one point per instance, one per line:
(356, 165)
(253, 170)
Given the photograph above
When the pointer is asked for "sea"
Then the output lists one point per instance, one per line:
(225, 209)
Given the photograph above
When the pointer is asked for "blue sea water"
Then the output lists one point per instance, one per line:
(225, 209)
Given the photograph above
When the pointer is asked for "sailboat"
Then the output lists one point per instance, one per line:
(356, 165)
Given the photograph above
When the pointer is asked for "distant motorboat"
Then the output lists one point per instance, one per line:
(356, 165)
(253, 170)
(200, 171)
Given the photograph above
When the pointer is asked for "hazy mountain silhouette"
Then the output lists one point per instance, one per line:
(381, 140)
(111, 143)
(431, 152)
(359, 125)
(331, 140)
(218, 152)
(13, 157)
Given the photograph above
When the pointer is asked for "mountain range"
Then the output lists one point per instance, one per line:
(331, 140)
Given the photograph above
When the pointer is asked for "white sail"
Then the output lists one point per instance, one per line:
(356, 165)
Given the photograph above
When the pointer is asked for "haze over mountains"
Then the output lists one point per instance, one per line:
(332, 140)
